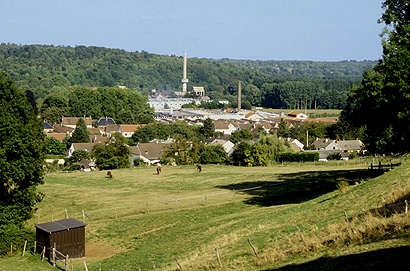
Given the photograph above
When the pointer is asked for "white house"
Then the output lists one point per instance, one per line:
(224, 127)
(226, 144)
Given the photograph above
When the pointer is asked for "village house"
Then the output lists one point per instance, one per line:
(80, 146)
(224, 127)
(47, 128)
(102, 123)
(297, 115)
(127, 130)
(58, 136)
(226, 144)
(295, 144)
(150, 153)
(72, 121)
(324, 144)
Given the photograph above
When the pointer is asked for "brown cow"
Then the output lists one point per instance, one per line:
(109, 174)
(199, 168)
(158, 169)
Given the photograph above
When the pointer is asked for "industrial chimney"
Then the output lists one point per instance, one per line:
(239, 95)
(184, 79)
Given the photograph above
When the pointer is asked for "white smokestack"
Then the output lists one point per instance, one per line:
(184, 79)
(239, 95)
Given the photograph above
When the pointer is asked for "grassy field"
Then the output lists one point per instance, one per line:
(323, 216)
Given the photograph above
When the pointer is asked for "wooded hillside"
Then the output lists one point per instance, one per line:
(288, 84)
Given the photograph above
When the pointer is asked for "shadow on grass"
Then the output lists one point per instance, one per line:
(383, 259)
(299, 187)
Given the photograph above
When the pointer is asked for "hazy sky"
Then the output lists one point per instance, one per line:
(328, 30)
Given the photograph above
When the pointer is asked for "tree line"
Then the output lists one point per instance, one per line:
(45, 69)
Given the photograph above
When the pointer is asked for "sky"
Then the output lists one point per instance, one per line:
(317, 30)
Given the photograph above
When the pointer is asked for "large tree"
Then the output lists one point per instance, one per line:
(21, 155)
(112, 155)
(80, 134)
(381, 104)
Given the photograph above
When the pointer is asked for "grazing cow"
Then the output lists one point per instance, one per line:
(109, 174)
(199, 168)
(158, 169)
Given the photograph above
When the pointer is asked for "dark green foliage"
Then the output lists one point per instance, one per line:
(183, 152)
(80, 134)
(155, 130)
(241, 135)
(213, 154)
(238, 156)
(298, 157)
(123, 105)
(283, 130)
(54, 100)
(13, 234)
(138, 162)
(380, 105)
(53, 114)
(78, 155)
(334, 156)
(274, 146)
(208, 129)
(287, 84)
(112, 155)
(21, 158)
(54, 146)
(250, 155)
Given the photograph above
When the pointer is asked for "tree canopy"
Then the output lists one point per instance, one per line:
(275, 84)
(21, 160)
(381, 104)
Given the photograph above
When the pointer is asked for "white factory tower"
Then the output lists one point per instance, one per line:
(184, 79)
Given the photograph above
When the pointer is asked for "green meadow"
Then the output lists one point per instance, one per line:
(310, 216)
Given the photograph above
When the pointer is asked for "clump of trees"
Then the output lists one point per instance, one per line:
(21, 163)
(113, 154)
(380, 106)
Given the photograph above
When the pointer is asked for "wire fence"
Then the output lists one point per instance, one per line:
(174, 204)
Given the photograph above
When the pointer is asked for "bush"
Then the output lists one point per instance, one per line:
(138, 162)
(15, 235)
(334, 156)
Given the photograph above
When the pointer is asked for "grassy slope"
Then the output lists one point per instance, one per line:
(309, 200)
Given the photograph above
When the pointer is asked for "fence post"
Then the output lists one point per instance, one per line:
(24, 248)
(43, 253)
(407, 207)
(66, 262)
(217, 256)
(65, 213)
(54, 255)
(253, 248)
(35, 248)
(83, 216)
(301, 236)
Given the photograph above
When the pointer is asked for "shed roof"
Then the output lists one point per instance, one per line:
(60, 225)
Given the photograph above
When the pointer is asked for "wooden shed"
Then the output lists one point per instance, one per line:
(66, 235)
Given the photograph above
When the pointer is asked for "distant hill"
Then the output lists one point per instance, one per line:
(45, 69)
